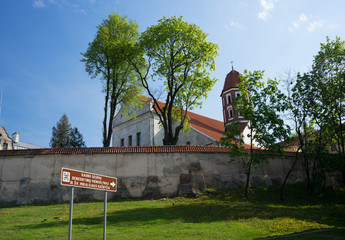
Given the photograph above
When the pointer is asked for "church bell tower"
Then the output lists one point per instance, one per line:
(228, 95)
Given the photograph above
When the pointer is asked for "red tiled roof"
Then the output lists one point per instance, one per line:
(208, 126)
(113, 150)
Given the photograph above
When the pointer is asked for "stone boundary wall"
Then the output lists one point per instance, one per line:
(35, 178)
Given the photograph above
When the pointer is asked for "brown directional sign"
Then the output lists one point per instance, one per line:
(76, 178)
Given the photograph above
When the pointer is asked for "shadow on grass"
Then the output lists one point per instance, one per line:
(206, 212)
(320, 234)
(225, 205)
(295, 195)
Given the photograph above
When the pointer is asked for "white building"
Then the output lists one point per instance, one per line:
(5, 140)
(7, 143)
(145, 130)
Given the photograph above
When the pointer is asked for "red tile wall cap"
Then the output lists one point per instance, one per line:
(114, 150)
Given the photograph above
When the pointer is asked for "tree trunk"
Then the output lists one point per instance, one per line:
(247, 181)
(105, 114)
(287, 176)
(306, 170)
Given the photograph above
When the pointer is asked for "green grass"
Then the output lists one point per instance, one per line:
(222, 214)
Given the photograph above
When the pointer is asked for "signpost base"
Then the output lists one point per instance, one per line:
(105, 216)
(70, 215)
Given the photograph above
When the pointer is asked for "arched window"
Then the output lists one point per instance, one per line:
(228, 98)
(230, 113)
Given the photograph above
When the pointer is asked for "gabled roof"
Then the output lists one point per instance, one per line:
(208, 126)
(3, 130)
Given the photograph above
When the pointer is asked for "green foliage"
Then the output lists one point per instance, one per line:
(260, 103)
(178, 59)
(107, 57)
(317, 104)
(63, 135)
(309, 128)
(76, 139)
(328, 74)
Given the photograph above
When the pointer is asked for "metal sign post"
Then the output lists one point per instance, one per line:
(70, 215)
(76, 178)
(105, 216)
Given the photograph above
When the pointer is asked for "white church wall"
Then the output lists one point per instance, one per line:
(120, 118)
(245, 137)
(194, 137)
(152, 133)
(131, 128)
(158, 131)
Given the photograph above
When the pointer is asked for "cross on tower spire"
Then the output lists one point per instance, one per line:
(232, 65)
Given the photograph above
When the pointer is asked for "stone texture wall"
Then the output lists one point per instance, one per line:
(36, 178)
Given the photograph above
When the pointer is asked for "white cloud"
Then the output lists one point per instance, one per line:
(302, 18)
(296, 24)
(234, 24)
(267, 6)
(62, 3)
(39, 4)
(315, 25)
(263, 15)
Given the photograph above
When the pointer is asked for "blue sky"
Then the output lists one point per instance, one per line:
(41, 76)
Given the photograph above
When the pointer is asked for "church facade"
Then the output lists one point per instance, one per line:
(145, 129)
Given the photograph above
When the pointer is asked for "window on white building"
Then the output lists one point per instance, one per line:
(139, 139)
(122, 143)
(130, 140)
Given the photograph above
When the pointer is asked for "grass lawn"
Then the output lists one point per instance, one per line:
(222, 214)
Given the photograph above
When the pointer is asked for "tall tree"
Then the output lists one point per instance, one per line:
(63, 135)
(260, 103)
(107, 57)
(76, 139)
(317, 104)
(178, 58)
(328, 73)
(305, 112)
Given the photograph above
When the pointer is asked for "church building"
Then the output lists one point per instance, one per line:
(145, 129)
